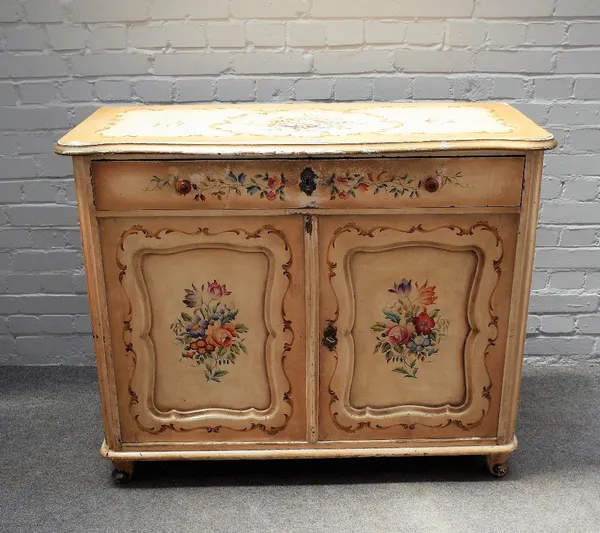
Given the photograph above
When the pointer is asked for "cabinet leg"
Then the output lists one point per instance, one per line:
(497, 464)
(122, 471)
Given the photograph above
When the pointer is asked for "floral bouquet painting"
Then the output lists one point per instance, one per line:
(411, 332)
(209, 332)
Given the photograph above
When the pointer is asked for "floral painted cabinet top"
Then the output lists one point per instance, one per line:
(308, 280)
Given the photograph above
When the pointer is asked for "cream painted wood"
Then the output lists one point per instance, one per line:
(379, 288)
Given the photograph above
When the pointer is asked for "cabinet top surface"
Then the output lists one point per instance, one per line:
(303, 129)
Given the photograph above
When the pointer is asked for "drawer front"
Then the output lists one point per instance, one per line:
(255, 184)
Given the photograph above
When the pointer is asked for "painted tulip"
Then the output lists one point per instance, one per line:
(217, 290)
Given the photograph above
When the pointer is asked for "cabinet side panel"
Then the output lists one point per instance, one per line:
(520, 294)
(94, 272)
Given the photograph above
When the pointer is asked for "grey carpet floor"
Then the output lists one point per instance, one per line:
(53, 480)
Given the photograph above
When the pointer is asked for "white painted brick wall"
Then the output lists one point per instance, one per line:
(62, 59)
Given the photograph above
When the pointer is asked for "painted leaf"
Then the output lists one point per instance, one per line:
(392, 316)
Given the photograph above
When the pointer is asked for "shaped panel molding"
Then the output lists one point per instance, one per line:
(206, 345)
(407, 336)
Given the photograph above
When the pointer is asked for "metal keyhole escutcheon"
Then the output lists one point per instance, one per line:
(308, 181)
(330, 336)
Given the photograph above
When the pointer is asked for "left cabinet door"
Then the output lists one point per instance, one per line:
(207, 327)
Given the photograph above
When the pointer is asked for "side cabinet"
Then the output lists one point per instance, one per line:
(308, 281)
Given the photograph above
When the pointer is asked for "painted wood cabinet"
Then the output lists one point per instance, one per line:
(308, 280)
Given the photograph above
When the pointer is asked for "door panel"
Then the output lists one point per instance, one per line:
(420, 308)
(206, 328)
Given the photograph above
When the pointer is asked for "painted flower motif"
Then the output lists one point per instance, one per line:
(343, 195)
(220, 335)
(398, 335)
(274, 181)
(375, 178)
(210, 335)
(427, 295)
(410, 333)
(418, 343)
(223, 315)
(214, 187)
(423, 323)
(404, 287)
(201, 346)
(192, 296)
(217, 290)
(197, 327)
(342, 180)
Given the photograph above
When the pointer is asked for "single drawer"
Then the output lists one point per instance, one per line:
(333, 183)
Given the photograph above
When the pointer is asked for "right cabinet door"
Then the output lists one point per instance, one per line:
(414, 320)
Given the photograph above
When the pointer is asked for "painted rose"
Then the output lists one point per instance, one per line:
(272, 195)
(423, 323)
(363, 186)
(221, 335)
(343, 180)
(343, 195)
(427, 295)
(216, 290)
(398, 335)
(274, 182)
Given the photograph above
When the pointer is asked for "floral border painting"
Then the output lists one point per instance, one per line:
(411, 333)
(210, 335)
(270, 186)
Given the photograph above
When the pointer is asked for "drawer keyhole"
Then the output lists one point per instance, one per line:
(308, 181)
(330, 336)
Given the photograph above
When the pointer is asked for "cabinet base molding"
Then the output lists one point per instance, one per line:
(307, 452)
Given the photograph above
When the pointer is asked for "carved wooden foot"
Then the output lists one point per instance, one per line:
(122, 471)
(497, 464)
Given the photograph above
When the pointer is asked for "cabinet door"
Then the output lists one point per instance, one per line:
(418, 306)
(207, 327)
